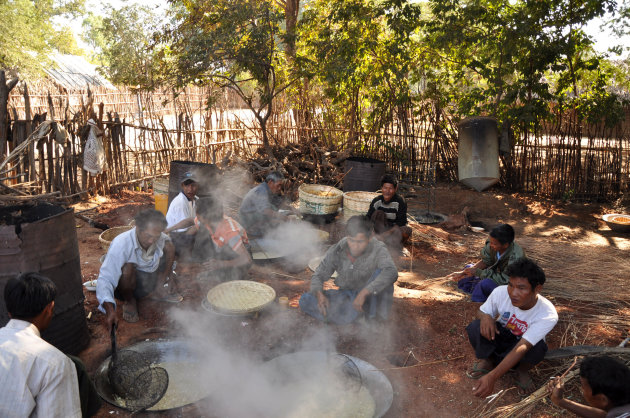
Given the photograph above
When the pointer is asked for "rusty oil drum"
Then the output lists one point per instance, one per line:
(43, 238)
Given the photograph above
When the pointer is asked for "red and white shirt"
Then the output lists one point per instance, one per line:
(532, 324)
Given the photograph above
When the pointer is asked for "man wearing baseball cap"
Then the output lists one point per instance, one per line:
(181, 214)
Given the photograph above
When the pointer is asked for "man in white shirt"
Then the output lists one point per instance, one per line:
(36, 379)
(510, 332)
(181, 215)
(137, 265)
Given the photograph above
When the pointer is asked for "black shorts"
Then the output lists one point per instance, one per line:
(145, 282)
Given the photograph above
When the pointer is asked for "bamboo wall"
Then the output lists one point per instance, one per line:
(143, 132)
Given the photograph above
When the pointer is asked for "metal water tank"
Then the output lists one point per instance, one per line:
(478, 159)
(362, 174)
(43, 238)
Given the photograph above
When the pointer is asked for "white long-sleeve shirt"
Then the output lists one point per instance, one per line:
(181, 208)
(36, 379)
(125, 248)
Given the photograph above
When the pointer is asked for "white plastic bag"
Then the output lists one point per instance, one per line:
(94, 154)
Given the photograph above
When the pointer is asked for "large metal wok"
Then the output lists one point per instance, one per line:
(161, 351)
(295, 364)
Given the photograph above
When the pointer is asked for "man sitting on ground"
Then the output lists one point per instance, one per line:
(605, 387)
(259, 210)
(37, 379)
(137, 264)
(221, 244)
(511, 329)
(181, 215)
(366, 276)
(499, 252)
(389, 214)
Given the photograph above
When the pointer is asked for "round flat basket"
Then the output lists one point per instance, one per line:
(240, 297)
(358, 201)
(318, 199)
(108, 235)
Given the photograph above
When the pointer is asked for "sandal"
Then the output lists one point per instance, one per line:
(524, 388)
(477, 372)
(169, 297)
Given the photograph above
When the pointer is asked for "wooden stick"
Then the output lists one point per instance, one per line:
(420, 364)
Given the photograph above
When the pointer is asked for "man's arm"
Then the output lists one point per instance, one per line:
(401, 214)
(485, 384)
(184, 223)
(556, 389)
(59, 395)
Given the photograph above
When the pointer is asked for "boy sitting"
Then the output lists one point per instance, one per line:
(605, 386)
(510, 332)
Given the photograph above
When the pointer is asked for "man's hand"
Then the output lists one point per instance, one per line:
(487, 326)
(470, 271)
(322, 303)
(359, 300)
(556, 390)
(485, 386)
(110, 315)
(212, 265)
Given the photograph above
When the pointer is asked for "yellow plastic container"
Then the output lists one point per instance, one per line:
(160, 194)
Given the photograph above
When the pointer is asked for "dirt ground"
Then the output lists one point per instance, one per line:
(423, 349)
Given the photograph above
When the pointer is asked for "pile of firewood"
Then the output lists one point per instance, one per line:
(300, 163)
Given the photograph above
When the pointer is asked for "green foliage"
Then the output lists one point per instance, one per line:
(124, 41)
(28, 33)
(497, 52)
(361, 53)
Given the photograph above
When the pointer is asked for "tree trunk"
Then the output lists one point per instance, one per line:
(5, 89)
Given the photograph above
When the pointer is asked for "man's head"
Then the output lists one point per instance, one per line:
(274, 181)
(526, 281)
(389, 186)
(501, 237)
(190, 185)
(358, 232)
(210, 209)
(605, 382)
(150, 224)
(30, 297)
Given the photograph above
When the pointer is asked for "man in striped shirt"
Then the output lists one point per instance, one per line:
(389, 214)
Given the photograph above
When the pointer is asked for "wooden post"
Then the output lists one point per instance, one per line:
(5, 89)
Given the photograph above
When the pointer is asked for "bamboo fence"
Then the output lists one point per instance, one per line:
(145, 131)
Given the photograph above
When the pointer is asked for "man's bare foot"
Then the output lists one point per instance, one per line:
(130, 311)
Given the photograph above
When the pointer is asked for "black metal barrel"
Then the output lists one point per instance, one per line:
(362, 174)
(43, 238)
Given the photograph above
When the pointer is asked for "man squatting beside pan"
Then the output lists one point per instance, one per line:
(181, 215)
(366, 276)
(511, 329)
(137, 264)
(259, 211)
(37, 379)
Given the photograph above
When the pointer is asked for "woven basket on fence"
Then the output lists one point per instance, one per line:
(108, 235)
(240, 296)
(318, 199)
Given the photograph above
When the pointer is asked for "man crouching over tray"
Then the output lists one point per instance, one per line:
(137, 265)
(366, 276)
(511, 329)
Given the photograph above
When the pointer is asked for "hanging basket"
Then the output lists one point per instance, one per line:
(318, 199)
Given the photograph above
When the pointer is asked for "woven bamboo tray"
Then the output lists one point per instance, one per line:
(358, 201)
(108, 235)
(318, 199)
(240, 297)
